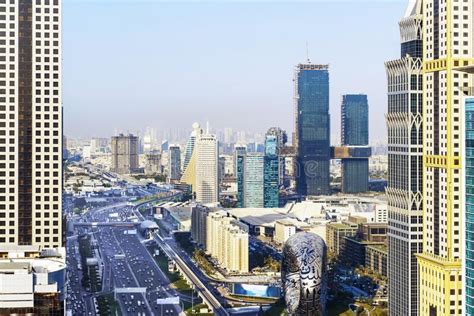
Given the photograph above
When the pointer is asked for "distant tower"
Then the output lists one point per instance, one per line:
(355, 132)
(125, 154)
(253, 180)
(190, 145)
(240, 152)
(207, 175)
(271, 172)
(312, 129)
(174, 163)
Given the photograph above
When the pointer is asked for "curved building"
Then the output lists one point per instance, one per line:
(303, 273)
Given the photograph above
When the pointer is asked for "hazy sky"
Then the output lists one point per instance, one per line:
(132, 64)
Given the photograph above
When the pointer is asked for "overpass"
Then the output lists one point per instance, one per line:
(107, 224)
(201, 289)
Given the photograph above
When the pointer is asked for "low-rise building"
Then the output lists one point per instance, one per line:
(32, 281)
(284, 229)
(376, 259)
(335, 234)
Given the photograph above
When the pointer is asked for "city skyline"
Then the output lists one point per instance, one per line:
(180, 74)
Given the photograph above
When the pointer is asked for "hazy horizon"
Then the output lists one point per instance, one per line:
(165, 65)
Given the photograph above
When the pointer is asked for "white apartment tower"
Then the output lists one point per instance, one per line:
(448, 47)
(405, 161)
(207, 180)
(30, 123)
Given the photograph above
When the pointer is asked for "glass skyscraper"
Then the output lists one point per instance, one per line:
(312, 129)
(253, 180)
(271, 172)
(469, 204)
(355, 132)
(239, 165)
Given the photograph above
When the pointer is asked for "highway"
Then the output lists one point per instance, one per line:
(126, 264)
(191, 272)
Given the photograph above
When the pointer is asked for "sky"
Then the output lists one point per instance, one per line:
(129, 64)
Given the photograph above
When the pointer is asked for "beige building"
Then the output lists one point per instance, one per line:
(124, 154)
(448, 46)
(207, 179)
(335, 233)
(227, 241)
(284, 229)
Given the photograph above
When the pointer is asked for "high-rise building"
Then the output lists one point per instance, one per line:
(174, 162)
(188, 154)
(448, 47)
(281, 139)
(355, 132)
(31, 138)
(124, 154)
(468, 163)
(405, 164)
(253, 180)
(207, 178)
(312, 128)
(31, 124)
(271, 172)
(239, 162)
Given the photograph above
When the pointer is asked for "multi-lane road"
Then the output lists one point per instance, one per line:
(126, 265)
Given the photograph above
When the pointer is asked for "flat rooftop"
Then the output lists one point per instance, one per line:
(259, 216)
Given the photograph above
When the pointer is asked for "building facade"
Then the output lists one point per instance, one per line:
(227, 241)
(174, 162)
(207, 178)
(468, 163)
(271, 172)
(125, 149)
(253, 180)
(312, 129)
(448, 46)
(335, 234)
(153, 163)
(239, 174)
(405, 164)
(31, 124)
(31, 146)
(355, 132)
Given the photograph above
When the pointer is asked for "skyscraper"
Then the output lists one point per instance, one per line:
(188, 154)
(253, 180)
(174, 162)
(312, 128)
(448, 46)
(124, 154)
(405, 163)
(281, 139)
(31, 137)
(207, 179)
(468, 163)
(239, 158)
(355, 132)
(271, 172)
(31, 124)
